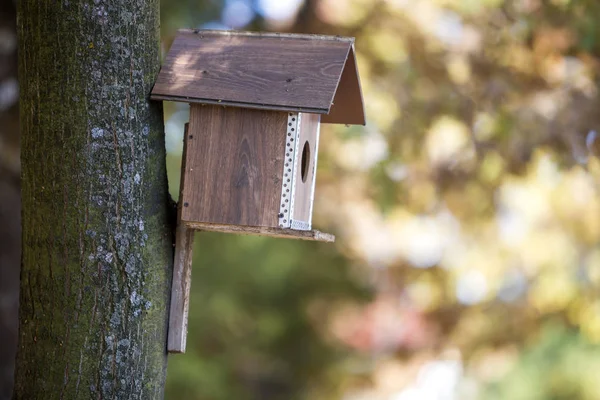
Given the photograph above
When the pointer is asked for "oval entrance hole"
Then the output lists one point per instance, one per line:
(305, 161)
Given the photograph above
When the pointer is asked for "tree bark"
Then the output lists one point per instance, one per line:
(97, 238)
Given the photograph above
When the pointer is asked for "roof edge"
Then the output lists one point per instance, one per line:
(239, 104)
(299, 36)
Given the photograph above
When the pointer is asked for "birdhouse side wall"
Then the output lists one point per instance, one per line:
(305, 167)
(234, 159)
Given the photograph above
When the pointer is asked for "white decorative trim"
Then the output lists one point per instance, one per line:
(288, 187)
(300, 225)
(296, 144)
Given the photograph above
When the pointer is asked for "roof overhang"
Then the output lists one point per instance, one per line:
(274, 71)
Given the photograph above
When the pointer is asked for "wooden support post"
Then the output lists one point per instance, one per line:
(182, 273)
(180, 290)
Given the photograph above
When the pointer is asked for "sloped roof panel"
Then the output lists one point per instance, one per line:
(257, 70)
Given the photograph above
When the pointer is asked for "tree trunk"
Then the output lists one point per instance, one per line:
(97, 239)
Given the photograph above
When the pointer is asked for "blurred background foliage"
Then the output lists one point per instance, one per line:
(467, 213)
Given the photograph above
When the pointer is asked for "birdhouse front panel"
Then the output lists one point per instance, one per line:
(299, 171)
(233, 166)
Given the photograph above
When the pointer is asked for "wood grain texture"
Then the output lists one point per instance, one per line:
(180, 289)
(304, 189)
(264, 231)
(234, 159)
(182, 274)
(248, 70)
(269, 107)
(348, 106)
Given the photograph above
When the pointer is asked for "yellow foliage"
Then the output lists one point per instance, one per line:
(553, 291)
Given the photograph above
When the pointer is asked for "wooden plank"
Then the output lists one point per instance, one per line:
(182, 273)
(180, 289)
(192, 100)
(348, 106)
(260, 69)
(264, 231)
(304, 182)
(233, 166)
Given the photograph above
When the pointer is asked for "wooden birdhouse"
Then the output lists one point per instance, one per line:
(257, 101)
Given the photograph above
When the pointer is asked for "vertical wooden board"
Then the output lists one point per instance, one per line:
(233, 166)
(182, 272)
(180, 289)
(306, 168)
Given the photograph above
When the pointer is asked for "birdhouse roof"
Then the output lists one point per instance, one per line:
(274, 71)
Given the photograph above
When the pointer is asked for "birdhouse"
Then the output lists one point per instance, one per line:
(257, 101)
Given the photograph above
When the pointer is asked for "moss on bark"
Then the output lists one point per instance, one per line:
(97, 251)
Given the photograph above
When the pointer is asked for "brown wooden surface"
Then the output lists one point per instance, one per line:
(182, 275)
(347, 107)
(268, 107)
(180, 289)
(274, 71)
(234, 162)
(303, 196)
(264, 231)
